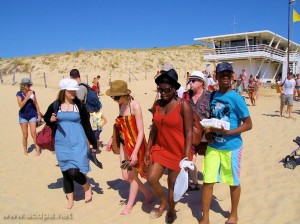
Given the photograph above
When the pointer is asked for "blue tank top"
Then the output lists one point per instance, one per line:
(28, 111)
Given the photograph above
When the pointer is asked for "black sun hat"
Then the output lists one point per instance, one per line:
(171, 75)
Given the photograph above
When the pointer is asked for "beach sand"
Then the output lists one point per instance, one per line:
(31, 187)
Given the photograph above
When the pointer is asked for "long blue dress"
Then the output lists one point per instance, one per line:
(70, 142)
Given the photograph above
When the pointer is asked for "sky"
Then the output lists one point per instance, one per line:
(37, 27)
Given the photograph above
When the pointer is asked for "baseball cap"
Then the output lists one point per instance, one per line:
(224, 66)
(26, 81)
(68, 84)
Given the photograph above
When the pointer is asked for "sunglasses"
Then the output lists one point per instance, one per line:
(115, 97)
(194, 80)
(165, 90)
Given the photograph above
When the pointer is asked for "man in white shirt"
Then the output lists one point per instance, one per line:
(287, 93)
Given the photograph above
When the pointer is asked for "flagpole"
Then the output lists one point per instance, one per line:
(288, 48)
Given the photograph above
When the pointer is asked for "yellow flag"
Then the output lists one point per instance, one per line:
(296, 16)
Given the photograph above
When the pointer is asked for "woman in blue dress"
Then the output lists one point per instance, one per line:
(72, 129)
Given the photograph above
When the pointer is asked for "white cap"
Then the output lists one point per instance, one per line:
(68, 84)
(167, 67)
(197, 75)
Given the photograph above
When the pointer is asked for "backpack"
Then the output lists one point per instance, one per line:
(92, 102)
(197, 127)
(45, 137)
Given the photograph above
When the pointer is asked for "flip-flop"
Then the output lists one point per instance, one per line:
(194, 187)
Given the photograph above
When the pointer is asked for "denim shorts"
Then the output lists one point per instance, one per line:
(23, 120)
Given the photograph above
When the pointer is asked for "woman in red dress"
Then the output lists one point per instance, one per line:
(170, 140)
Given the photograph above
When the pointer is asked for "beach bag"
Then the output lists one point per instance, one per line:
(116, 140)
(182, 180)
(197, 127)
(92, 102)
(45, 138)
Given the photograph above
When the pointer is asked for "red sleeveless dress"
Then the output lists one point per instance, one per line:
(168, 149)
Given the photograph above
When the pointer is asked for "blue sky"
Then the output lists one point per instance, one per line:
(35, 27)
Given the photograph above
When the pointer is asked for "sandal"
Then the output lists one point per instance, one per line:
(194, 187)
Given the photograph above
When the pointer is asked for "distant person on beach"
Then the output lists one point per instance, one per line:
(98, 120)
(187, 78)
(170, 140)
(259, 85)
(287, 94)
(244, 80)
(199, 99)
(223, 155)
(29, 113)
(211, 84)
(297, 87)
(130, 128)
(98, 85)
(252, 90)
(239, 86)
(95, 85)
(72, 129)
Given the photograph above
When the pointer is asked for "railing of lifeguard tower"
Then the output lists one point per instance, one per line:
(245, 49)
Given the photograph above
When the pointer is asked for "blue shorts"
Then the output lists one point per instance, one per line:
(23, 120)
(222, 166)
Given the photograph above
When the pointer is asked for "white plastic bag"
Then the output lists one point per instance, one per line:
(182, 180)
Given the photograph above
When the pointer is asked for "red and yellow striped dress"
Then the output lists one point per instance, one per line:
(128, 130)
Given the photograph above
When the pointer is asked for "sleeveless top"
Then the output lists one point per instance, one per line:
(28, 111)
(127, 128)
(168, 149)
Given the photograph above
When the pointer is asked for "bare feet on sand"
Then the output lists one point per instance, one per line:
(126, 211)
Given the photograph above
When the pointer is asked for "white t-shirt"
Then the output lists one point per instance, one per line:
(180, 91)
(289, 86)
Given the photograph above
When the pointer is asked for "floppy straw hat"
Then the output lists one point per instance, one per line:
(118, 88)
(68, 84)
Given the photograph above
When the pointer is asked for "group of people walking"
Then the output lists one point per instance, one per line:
(169, 141)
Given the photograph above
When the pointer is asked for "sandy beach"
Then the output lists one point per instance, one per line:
(31, 187)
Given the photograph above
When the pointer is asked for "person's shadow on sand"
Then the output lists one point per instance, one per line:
(193, 201)
(78, 190)
(271, 115)
(122, 187)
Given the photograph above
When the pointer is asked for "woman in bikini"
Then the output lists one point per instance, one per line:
(130, 127)
(170, 140)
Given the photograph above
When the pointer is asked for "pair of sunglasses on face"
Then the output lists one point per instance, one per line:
(164, 90)
(115, 97)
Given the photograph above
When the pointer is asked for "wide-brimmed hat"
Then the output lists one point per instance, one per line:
(196, 75)
(26, 81)
(224, 66)
(170, 74)
(68, 84)
(118, 88)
